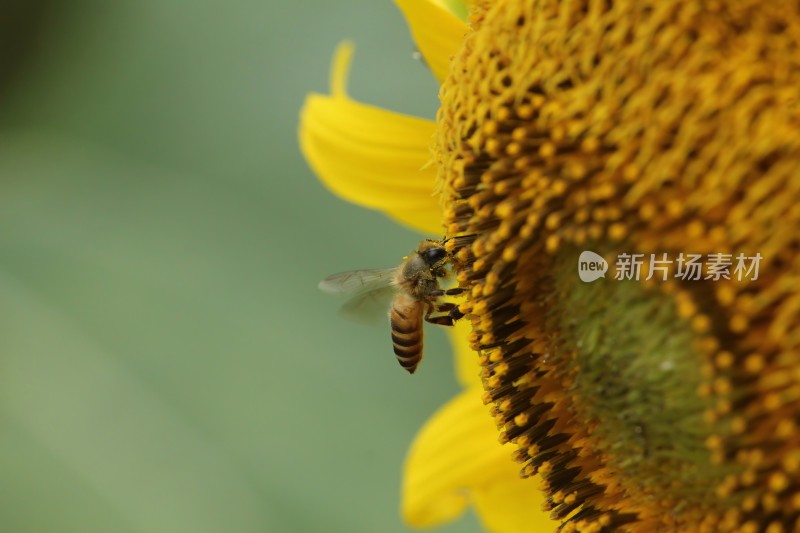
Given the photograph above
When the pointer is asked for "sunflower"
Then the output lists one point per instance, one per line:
(622, 127)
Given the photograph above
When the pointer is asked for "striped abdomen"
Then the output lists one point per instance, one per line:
(406, 319)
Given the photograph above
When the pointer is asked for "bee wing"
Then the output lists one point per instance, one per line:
(358, 281)
(370, 293)
(369, 307)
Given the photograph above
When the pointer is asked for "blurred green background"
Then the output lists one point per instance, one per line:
(167, 361)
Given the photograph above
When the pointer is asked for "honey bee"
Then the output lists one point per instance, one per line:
(415, 294)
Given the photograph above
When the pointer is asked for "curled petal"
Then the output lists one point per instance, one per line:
(369, 156)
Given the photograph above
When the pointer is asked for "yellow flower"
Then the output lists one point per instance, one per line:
(381, 160)
(641, 127)
(669, 127)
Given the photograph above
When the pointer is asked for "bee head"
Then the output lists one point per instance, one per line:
(432, 252)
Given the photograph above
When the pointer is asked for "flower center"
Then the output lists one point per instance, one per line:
(644, 127)
(630, 366)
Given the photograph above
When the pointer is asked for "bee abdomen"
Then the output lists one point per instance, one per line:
(406, 320)
(408, 351)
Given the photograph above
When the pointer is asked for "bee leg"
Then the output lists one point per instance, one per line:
(440, 320)
(446, 292)
(443, 320)
(451, 309)
(452, 315)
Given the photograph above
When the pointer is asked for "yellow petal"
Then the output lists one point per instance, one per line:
(512, 505)
(436, 30)
(370, 156)
(466, 359)
(426, 220)
(456, 460)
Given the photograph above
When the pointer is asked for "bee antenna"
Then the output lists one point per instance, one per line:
(446, 238)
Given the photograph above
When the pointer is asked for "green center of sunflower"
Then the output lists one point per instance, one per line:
(632, 365)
